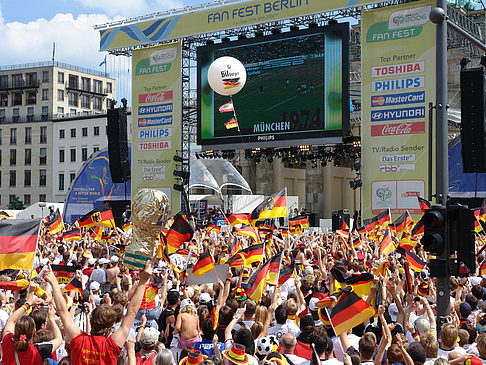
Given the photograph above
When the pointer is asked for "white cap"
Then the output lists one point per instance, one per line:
(114, 259)
(150, 337)
(204, 298)
(393, 312)
(187, 302)
(103, 261)
(94, 286)
(313, 304)
(43, 262)
(91, 261)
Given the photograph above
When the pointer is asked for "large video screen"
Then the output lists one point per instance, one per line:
(296, 93)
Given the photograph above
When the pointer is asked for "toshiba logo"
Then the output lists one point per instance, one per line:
(400, 69)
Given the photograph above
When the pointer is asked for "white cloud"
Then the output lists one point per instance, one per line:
(130, 8)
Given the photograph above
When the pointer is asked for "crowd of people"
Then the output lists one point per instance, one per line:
(117, 315)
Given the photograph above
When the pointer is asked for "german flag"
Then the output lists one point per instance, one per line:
(127, 226)
(343, 234)
(406, 242)
(408, 279)
(356, 242)
(423, 204)
(18, 241)
(482, 269)
(387, 246)
(361, 284)
(63, 273)
(247, 256)
(478, 227)
(248, 231)
(401, 224)
(204, 265)
(234, 247)
(274, 270)
(418, 228)
(423, 289)
(14, 285)
(213, 227)
(296, 230)
(4, 214)
(350, 312)
(272, 207)
(300, 220)
(382, 267)
(258, 280)
(379, 220)
(101, 216)
(324, 316)
(241, 218)
(361, 230)
(287, 272)
(87, 253)
(284, 232)
(96, 232)
(415, 262)
(74, 284)
(72, 235)
(54, 223)
(344, 225)
(165, 256)
(179, 232)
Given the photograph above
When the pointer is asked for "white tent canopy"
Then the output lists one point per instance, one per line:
(215, 174)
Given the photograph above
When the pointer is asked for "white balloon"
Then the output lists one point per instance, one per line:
(226, 76)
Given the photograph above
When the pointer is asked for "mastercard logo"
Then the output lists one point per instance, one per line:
(378, 100)
(142, 122)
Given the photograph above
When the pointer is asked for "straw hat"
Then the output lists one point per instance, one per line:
(237, 354)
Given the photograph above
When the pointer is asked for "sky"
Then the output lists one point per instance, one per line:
(28, 29)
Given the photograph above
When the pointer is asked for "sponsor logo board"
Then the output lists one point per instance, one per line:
(398, 114)
(154, 121)
(406, 157)
(398, 99)
(397, 129)
(398, 84)
(155, 133)
(397, 168)
(154, 146)
(155, 109)
(400, 69)
(155, 97)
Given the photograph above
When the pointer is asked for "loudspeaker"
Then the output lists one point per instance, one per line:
(118, 207)
(338, 218)
(473, 130)
(118, 145)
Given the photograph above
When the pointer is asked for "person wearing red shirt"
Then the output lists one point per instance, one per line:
(89, 270)
(100, 346)
(19, 332)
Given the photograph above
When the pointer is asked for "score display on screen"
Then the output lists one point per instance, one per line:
(296, 92)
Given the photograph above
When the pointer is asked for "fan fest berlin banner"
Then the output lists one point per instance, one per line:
(398, 82)
(156, 119)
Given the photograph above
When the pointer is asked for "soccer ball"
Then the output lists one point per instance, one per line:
(265, 345)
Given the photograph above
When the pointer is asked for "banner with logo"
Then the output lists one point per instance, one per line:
(398, 82)
(156, 119)
(216, 19)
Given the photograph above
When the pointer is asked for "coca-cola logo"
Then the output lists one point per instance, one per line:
(397, 129)
(155, 97)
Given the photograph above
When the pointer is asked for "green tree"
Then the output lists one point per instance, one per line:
(16, 204)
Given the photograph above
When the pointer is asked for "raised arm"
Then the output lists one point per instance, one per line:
(121, 334)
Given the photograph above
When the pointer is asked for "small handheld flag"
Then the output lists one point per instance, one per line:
(232, 123)
(228, 107)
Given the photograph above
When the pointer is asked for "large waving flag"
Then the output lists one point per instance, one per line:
(287, 271)
(416, 264)
(14, 285)
(18, 242)
(401, 224)
(54, 222)
(387, 246)
(204, 265)
(247, 256)
(247, 231)
(179, 232)
(272, 207)
(75, 285)
(72, 235)
(101, 216)
(349, 312)
(300, 220)
(360, 283)
(379, 221)
(268, 271)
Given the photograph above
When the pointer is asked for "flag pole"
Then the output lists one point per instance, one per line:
(234, 115)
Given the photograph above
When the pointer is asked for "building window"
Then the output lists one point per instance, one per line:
(109, 87)
(60, 110)
(43, 134)
(30, 114)
(17, 100)
(95, 149)
(28, 135)
(42, 177)
(13, 157)
(45, 94)
(61, 155)
(15, 114)
(32, 79)
(13, 178)
(85, 84)
(3, 99)
(85, 101)
(61, 133)
(97, 86)
(85, 131)
(31, 97)
(72, 99)
(0, 141)
(2, 115)
(60, 95)
(73, 82)
(73, 132)
(11, 198)
(73, 155)
(13, 135)
(61, 181)
(43, 156)
(26, 199)
(17, 80)
(97, 103)
(45, 113)
(84, 153)
(60, 77)
(72, 176)
(42, 197)
(4, 82)
(28, 156)
(27, 178)
(72, 112)
(96, 131)
(45, 76)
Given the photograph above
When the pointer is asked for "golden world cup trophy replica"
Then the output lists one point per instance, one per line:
(150, 209)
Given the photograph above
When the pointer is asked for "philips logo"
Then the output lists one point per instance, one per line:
(409, 18)
(398, 84)
(398, 114)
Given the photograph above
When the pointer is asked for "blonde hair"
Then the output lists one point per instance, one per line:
(481, 343)
(261, 314)
(448, 334)
(430, 344)
(189, 309)
(291, 307)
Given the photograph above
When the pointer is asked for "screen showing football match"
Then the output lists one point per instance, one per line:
(297, 88)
